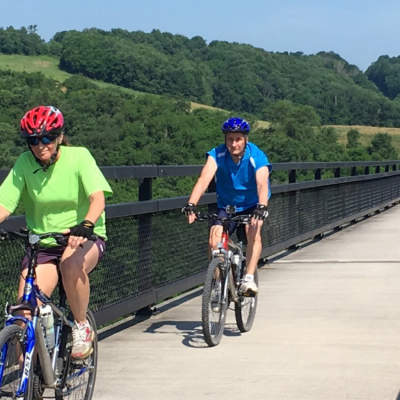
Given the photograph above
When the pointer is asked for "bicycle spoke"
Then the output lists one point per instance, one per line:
(80, 375)
(245, 310)
(213, 304)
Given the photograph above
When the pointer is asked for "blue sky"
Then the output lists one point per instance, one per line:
(358, 30)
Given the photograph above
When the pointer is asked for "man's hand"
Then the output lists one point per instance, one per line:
(190, 211)
(260, 212)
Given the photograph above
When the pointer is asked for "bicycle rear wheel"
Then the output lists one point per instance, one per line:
(12, 352)
(245, 310)
(213, 310)
(79, 376)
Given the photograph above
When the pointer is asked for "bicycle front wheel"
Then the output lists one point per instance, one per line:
(79, 376)
(213, 310)
(12, 352)
(245, 310)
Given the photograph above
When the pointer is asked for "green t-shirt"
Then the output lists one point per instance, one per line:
(58, 198)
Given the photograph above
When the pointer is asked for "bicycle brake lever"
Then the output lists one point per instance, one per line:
(61, 240)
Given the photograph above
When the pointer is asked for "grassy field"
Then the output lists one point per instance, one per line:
(367, 133)
(46, 64)
(49, 67)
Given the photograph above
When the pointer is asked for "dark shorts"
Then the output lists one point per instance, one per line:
(232, 225)
(53, 254)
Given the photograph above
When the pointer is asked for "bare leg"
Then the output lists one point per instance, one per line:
(215, 236)
(46, 279)
(75, 266)
(254, 246)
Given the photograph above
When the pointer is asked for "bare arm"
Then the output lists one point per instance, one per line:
(4, 214)
(206, 175)
(96, 207)
(262, 175)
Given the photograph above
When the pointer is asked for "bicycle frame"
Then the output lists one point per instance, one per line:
(224, 248)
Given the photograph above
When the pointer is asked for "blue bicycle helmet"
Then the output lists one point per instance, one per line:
(236, 125)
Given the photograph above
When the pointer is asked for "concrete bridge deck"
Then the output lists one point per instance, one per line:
(327, 328)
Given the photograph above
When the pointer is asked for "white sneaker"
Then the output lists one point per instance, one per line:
(82, 340)
(248, 287)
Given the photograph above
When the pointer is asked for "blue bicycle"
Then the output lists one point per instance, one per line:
(35, 352)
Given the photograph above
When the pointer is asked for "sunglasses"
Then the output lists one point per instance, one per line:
(34, 141)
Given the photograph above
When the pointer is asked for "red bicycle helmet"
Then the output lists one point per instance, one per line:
(41, 121)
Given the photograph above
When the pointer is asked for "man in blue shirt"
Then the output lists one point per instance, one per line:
(241, 173)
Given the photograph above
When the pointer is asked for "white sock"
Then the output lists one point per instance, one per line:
(249, 278)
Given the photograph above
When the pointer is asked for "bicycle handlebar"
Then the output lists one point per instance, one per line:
(33, 238)
(241, 219)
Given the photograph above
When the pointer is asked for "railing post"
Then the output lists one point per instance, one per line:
(353, 171)
(377, 169)
(317, 174)
(337, 172)
(146, 189)
(292, 176)
(366, 170)
(144, 267)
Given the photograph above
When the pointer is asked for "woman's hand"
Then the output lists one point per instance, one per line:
(80, 233)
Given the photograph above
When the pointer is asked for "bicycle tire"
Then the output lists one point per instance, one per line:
(245, 310)
(213, 309)
(10, 339)
(78, 376)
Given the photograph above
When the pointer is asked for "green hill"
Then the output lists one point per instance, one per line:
(49, 66)
(231, 76)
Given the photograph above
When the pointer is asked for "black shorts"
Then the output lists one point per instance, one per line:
(53, 254)
(232, 225)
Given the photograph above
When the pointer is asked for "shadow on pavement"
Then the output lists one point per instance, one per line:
(140, 317)
(191, 331)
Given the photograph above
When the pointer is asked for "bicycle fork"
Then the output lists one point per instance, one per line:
(229, 287)
(28, 356)
(232, 286)
(34, 339)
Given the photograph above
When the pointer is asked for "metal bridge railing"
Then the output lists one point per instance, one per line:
(152, 253)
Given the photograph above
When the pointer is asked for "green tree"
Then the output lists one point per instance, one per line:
(381, 147)
(353, 138)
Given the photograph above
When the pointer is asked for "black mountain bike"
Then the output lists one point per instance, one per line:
(221, 286)
(35, 352)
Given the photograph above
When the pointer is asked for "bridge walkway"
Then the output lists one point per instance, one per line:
(327, 328)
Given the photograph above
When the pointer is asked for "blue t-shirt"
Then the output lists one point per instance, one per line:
(236, 183)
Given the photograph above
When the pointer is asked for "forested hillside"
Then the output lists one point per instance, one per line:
(385, 73)
(233, 76)
(127, 129)
(122, 127)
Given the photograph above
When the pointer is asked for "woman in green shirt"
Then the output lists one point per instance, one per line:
(62, 190)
